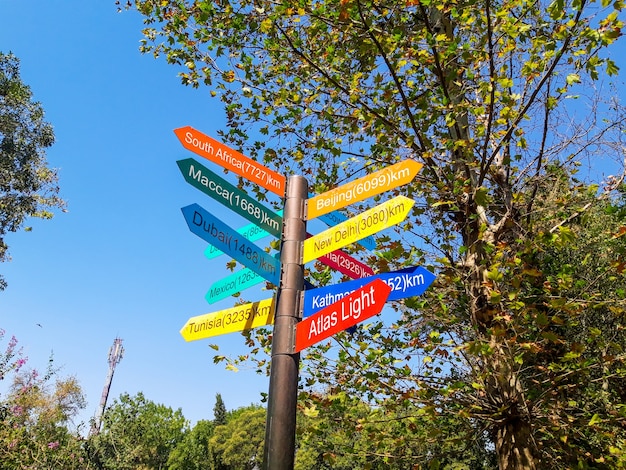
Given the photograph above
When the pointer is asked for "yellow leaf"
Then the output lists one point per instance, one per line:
(311, 412)
(266, 25)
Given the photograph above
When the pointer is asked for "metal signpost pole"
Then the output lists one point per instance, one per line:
(280, 431)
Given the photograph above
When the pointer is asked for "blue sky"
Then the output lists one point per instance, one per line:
(122, 261)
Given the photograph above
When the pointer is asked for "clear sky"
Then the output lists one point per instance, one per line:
(121, 262)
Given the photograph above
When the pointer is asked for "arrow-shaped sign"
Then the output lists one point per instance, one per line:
(235, 282)
(409, 282)
(222, 191)
(215, 151)
(363, 225)
(239, 318)
(250, 232)
(220, 235)
(344, 263)
(333, 218)
(350, 310)
(246, 278)
(358, 190)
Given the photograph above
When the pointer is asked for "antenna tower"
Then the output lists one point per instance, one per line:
(115, 356)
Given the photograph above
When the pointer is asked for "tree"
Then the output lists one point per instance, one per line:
(193, 453)
(501, 102)
(336, 431)
(219, 411)
(137, 433)
(28, 187)
(238, 444)
(36, 416)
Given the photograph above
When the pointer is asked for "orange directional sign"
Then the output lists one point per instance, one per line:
(350, 310)
(363, 225)
(215, 151)
(240, 318)
(363, 188)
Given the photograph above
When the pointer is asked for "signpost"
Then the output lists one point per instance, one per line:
(215, 151)
(409, 282)
(328, 310)
(220, 235)
(363, 188)
(354, 308)
(239, 318)
(222, 191)
(363, 225)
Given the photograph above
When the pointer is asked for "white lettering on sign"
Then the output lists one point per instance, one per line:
(341, 198)
(349, 311)
(248, 168)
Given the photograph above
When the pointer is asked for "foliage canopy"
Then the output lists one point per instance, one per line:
(28, 187)
(504, 103)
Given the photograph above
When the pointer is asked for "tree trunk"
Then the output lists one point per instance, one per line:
(514, 446)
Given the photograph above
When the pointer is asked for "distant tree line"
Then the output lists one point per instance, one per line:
(37, 432)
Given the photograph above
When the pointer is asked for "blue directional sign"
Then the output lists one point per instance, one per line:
(404, 283)
(217, 233)
(250, 232)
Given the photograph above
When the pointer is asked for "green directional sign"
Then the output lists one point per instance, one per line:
(222, 191)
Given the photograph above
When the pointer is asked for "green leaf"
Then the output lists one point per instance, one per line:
(595, 419)
(481, 196)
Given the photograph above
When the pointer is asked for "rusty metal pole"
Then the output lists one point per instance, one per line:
(280, 430)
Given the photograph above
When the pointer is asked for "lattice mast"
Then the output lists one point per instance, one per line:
(115, 356)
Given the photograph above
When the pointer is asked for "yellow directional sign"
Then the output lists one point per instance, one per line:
(363, 188)
(240, 318)
(363, 225)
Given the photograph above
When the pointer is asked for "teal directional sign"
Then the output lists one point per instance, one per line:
(217, 233)
(222, 191)
(408, 282)
(249, 232)
(232, 284)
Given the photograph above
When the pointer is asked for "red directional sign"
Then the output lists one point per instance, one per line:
(362, 304)
(346, 264)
